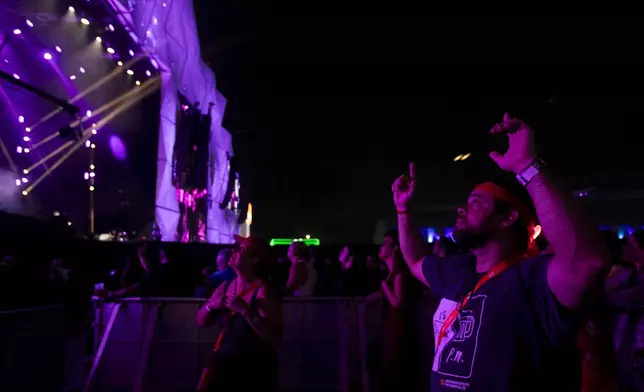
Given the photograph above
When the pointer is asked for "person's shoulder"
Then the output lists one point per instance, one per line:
(537, 262)
(455, 261)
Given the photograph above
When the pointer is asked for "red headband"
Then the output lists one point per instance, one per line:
(503, 195)
(515, 203)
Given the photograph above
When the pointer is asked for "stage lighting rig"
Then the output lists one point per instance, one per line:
(70, 132)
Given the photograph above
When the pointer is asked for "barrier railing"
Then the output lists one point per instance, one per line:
(154, 344)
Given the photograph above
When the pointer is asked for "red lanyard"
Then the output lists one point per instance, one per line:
(497, 269)
(225, 325)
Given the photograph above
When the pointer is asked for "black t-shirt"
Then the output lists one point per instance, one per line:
(512, 335)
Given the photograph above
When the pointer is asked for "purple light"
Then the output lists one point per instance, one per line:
(110, 27)
(154, 63)
(26, 138)
(19, 150)
(131, 52)
(17, 182)
(73, 77)
(29, 23)
(58, 49)
(118, 148)
(88, 113)
(21, 119)
(47, 56)
(17, 31)
(16, 76)
(148, 73)
(86, 176)
(25, 180)
(82, 70)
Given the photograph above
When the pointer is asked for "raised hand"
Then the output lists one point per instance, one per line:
(521, 150)
(403, 189)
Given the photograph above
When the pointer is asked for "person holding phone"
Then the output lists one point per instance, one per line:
(505, 321)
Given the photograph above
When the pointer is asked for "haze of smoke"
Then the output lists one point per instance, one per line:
(10, 197)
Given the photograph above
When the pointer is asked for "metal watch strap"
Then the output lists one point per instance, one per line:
(530, 171)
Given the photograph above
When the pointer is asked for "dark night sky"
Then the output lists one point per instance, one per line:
(327, 111)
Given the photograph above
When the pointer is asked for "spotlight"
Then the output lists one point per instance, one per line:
(119, 63)
(16, 76)
(58, 49)
(99, 39)
(71, 9)
(26, 150)
(25, 180)
(130, 72)
(21, 119)
(17, 31)
(19, 150)
(25, 171)
(110, 50)
(82, 69)
(94, 131)
(25, 193)
(17, 182)
(84, 21)
(88, 113)
(131, 52)
(148, 73)
(47, 56)
(92, 174)
(93, 145)
(91, 167)
(27, 129)
(137, 83)
(91, 188)
(110, 27)
(73, 77)
(26, 138)
(87, 143)
(29, 23)
(86, 176)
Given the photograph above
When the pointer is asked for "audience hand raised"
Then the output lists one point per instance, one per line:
(521, 150)
(403, 189)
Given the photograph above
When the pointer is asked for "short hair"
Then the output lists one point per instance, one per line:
(639, 237)
(393, 234)
(300, 250)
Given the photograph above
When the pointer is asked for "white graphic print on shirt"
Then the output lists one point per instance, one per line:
(457, 351)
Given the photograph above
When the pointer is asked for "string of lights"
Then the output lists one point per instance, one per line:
(135, 67)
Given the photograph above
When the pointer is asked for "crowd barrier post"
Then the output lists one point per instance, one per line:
(147, 341)
(101, 347)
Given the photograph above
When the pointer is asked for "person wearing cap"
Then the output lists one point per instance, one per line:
(508, 320)
(248, 313)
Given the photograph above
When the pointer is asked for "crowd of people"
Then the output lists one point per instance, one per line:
(513, 310)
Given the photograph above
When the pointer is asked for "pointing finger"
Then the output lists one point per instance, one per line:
(412, 170)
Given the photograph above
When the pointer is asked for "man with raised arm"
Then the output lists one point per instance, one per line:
(507, 321)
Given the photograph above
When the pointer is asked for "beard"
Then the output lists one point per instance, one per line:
(469, 238)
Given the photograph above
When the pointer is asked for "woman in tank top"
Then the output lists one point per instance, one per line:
(248, 314)
(302, 276)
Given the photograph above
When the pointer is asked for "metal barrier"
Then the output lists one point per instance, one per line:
(154, 344)
(32, 354)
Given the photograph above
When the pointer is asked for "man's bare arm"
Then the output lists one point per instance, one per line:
(412, 246)
(580, 257)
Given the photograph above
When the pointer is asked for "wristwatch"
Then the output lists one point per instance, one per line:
(530, 171)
